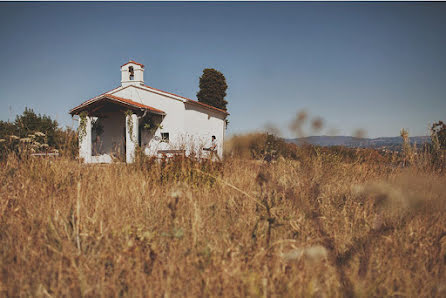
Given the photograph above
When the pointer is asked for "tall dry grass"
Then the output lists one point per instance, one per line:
(314, 226)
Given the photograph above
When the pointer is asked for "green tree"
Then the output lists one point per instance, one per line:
(6, 129)
(29, 123)
(213, 88)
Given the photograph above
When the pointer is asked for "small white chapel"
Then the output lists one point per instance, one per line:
(114, 124)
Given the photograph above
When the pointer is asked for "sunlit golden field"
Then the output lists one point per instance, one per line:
(315, 226)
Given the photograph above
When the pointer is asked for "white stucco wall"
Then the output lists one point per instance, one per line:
(85, 140)
(201, 124)
(190, 127)
(131, 137)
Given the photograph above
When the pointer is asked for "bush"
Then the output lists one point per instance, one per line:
(36, 133)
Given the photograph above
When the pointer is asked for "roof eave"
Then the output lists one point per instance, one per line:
(118, 100)
(133, 62)
(205, 106)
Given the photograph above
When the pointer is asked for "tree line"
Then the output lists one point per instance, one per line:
(36, 133)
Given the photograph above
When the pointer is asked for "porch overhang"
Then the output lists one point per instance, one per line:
(93, 105)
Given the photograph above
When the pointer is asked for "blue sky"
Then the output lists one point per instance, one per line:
(373, 66)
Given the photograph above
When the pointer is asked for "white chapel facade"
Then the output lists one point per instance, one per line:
(114, 124)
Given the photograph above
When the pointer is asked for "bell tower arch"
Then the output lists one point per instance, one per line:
(132, 73)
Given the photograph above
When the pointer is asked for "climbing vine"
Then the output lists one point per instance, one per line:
(128, 115)
(82, 125)
(151, 126)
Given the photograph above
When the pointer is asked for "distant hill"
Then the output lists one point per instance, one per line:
(352, 142)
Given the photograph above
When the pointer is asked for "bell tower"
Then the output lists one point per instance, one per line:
(132, 73)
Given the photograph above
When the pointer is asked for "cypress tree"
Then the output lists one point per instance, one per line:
(213, 88)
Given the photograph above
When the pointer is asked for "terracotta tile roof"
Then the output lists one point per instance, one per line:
(190, 100)
(121, 100)
(131, 61)
(93, 98)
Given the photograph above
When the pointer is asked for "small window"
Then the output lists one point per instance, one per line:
(165, 137)
(132, 73)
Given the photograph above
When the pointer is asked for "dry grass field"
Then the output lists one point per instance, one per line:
(315, 226)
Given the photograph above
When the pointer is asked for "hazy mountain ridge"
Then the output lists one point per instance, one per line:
(387, 142)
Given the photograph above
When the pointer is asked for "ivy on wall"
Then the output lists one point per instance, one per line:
(82, 130)
(151, 126)
(128, 115)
